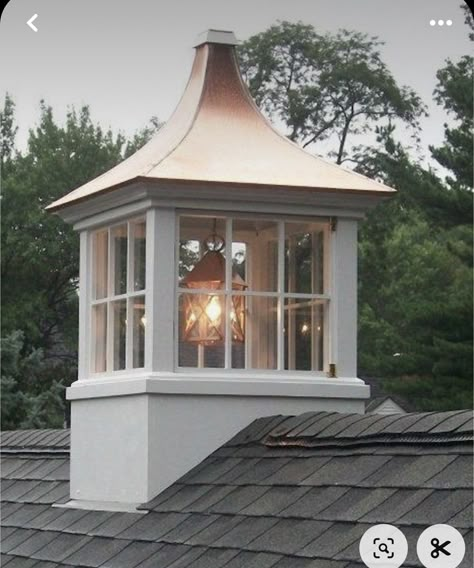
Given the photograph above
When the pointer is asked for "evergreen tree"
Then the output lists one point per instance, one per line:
(40, 253)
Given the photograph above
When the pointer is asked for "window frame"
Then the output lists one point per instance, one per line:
(111, 298)
(327, 298)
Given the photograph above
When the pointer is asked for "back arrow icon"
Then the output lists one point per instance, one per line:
(30, 22)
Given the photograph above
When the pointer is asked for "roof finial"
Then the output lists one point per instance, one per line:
(216, 36)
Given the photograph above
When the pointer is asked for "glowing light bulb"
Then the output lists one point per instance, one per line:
(305, 328)
(143, 321)
(213, 309)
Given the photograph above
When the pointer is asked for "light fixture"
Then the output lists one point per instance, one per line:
(205, 313)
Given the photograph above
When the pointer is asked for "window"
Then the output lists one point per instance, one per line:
(118, 297)
(252, 293)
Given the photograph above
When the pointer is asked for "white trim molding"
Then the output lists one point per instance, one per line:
(198, 384)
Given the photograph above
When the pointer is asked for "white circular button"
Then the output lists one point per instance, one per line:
(383, 546)
(441, 546)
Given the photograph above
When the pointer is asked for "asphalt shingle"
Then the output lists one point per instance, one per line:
(247, 559)
(238, 499)
(153, 526)
(96, 551)
(287, 492)
(288, 536)
(134, 554)
(397, 505)
(346, 470)
(12, 540)
(246, 531)
(314, 501)
(61, 547)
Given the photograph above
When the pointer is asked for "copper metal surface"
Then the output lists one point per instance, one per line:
(218, 135)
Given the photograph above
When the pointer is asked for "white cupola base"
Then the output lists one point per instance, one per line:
(131, 440)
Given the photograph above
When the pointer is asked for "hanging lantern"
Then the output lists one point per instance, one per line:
(205, 314)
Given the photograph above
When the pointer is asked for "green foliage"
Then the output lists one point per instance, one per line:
(27, 400)
(39, 264)
(454, 92)
(332, 86)
(416, 283)
(415, 250)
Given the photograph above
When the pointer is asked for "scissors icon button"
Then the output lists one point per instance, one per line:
(441, 546)
(437, 548)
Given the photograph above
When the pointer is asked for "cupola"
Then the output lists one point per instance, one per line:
(218, 284)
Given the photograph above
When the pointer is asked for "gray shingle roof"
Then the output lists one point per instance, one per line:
(294, 492)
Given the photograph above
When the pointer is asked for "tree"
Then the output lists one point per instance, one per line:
(416, 263)
(40, 252)
(325, 87)
(8, 130)
(454, 92)
(39, 264)
(28, 401)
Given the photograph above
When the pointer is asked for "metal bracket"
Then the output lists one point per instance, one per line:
(332, 371)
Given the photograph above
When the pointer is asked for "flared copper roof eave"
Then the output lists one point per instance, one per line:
(218, 136)
(167, 182)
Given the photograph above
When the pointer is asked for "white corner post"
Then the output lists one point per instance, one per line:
(344, 293)
(115, 440)
(160, 289)
(84, 318)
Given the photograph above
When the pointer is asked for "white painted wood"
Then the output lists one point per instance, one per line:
(128, 449)
(228, 297)
(129, 306)
(344, 284)
(281, 290)
(160, 289)
(138, 197)
(85, 266)
(237, 383)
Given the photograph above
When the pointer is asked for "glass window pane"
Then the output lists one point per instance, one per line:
(304, 335)
(139, 254)
(99, 326)
(254, 332)
(119, 328)
(254, 253)
(194, 233)
(201, 330)
(100, 250)
(139, 326)
(304, 258)
(119, 255)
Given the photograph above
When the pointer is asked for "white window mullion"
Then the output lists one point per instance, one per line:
(228, 296)
(281, 290)
(129, 305)
(291, 313)
(330, 315)
(315, 266)
(110, 291)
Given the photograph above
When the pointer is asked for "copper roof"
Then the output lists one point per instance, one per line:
(218, 135)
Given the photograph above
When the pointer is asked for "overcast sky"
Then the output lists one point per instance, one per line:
(130, 60)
